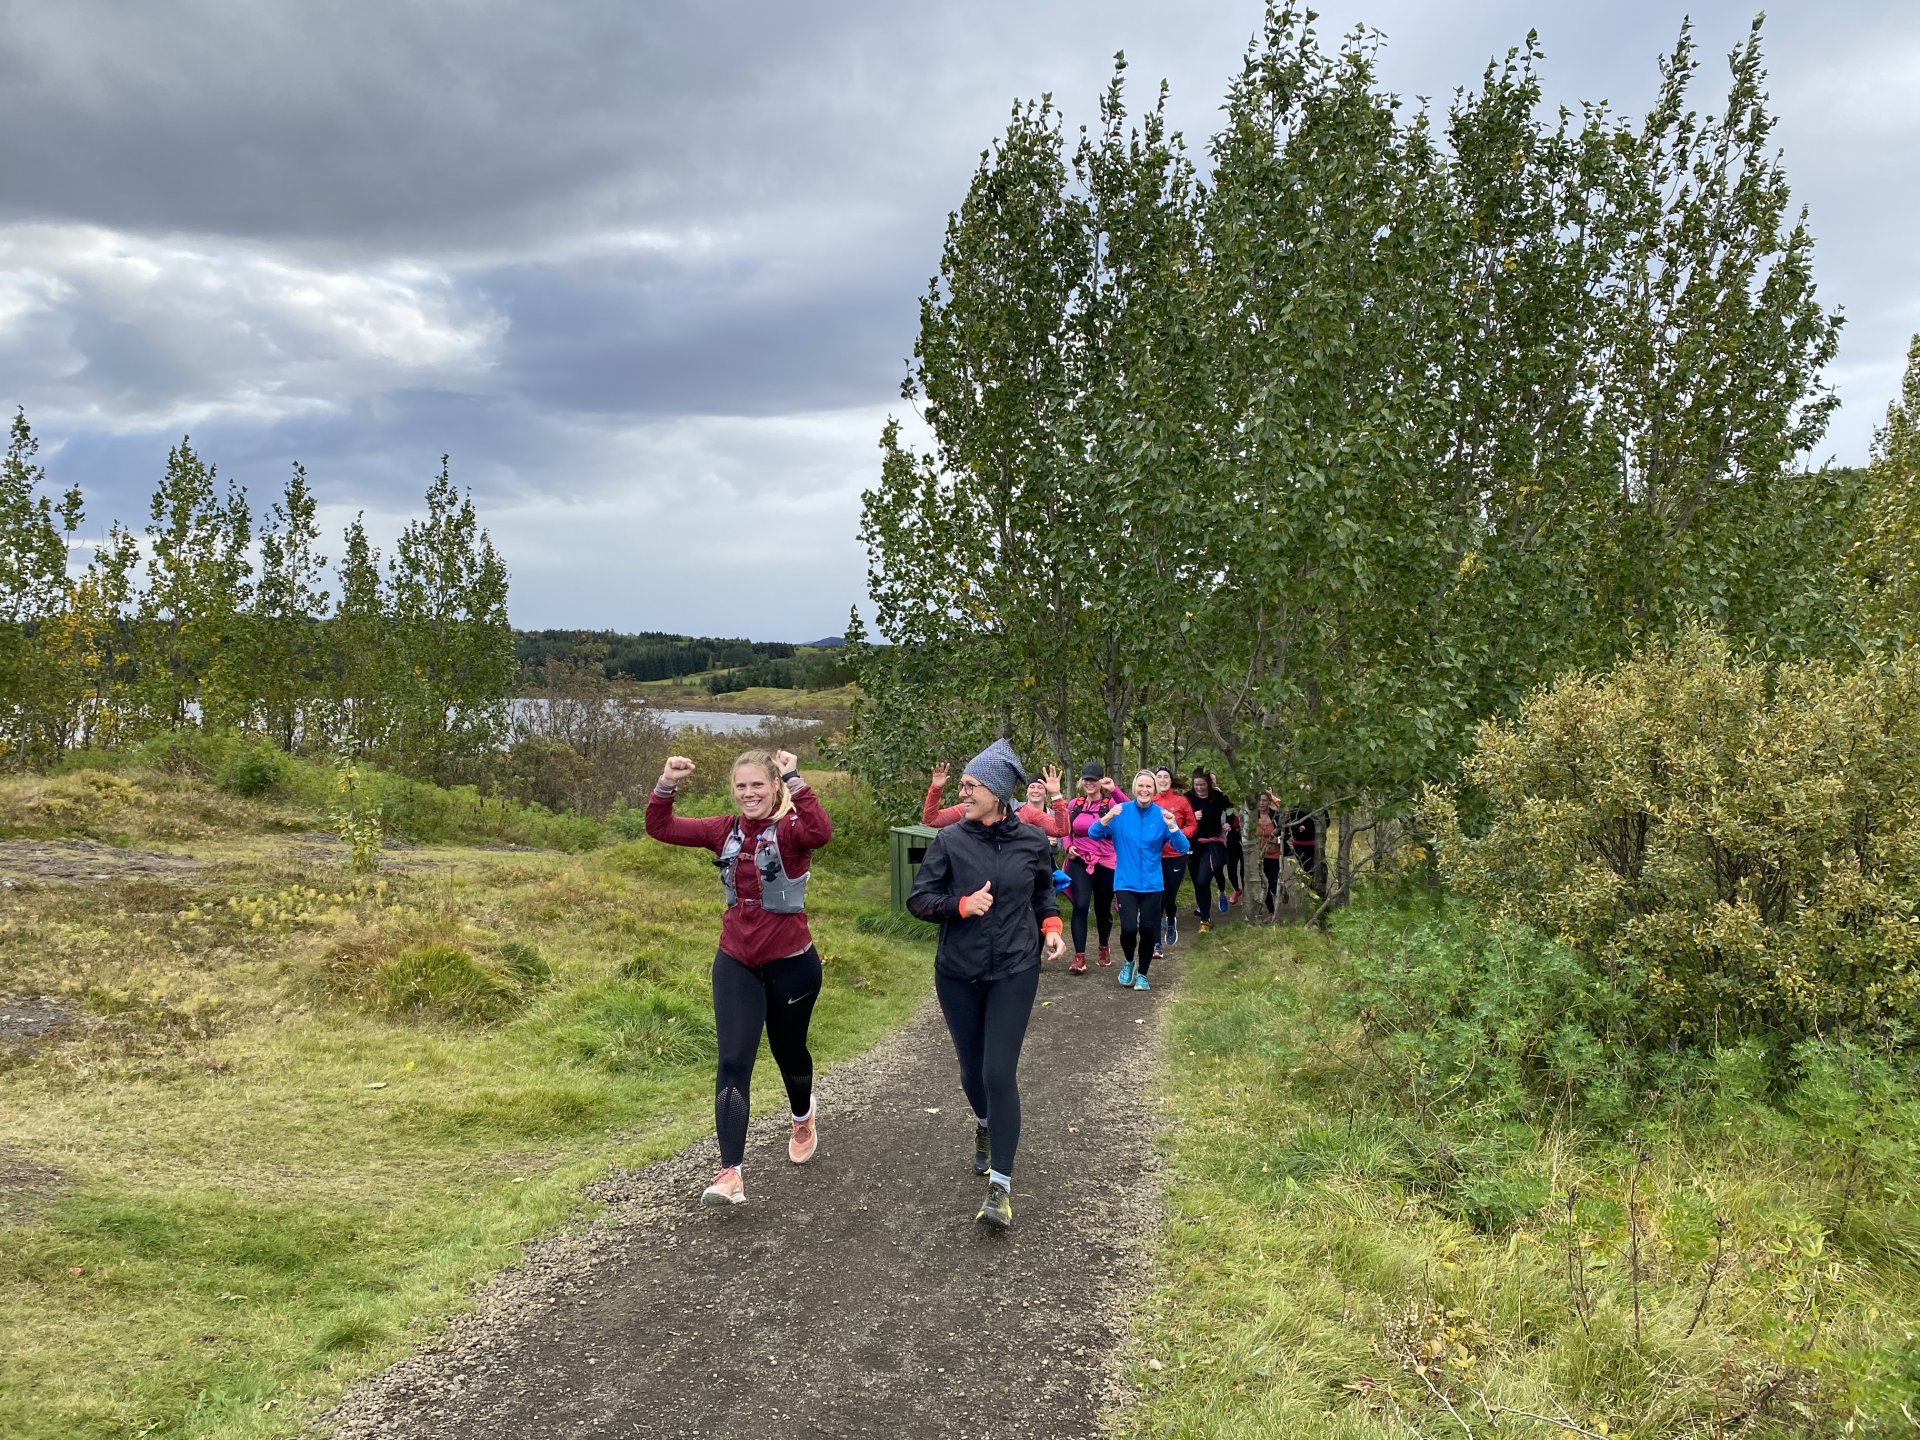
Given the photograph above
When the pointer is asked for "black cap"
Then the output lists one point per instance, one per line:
(1093, 770)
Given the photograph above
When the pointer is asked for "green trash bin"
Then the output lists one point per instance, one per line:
(909, 844)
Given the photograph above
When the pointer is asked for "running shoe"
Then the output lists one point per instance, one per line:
(1079, 965)
(1140, 983)
(1236, 897)
(726, 1189)
(1205, 928)
(982, 1154)
(1126, 973)
(804, 1140)
(1158, 953)
(1105, 958)
(1173, 931)
(997, 1209)
(1223, 903)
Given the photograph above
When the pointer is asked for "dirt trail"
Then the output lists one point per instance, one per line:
(854, 1296)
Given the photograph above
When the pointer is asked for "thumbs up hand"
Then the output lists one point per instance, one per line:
(979, 902)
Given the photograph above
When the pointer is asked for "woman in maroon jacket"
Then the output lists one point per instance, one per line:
(766, 973)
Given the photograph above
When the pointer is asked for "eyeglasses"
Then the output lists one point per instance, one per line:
(968, 787)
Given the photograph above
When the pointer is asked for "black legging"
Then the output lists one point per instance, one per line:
(1095, 889)
(1236, 863)
(1139, 926)
(777, 997)
(988, 1022)
(1209, 858)
(1173, 869)
(1270, 867)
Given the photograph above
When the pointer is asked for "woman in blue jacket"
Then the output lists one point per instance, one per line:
(1138, 829)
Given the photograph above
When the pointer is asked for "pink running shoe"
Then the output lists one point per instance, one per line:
(805, 1139)
(726, 1189)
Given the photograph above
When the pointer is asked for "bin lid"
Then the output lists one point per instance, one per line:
(922, 832)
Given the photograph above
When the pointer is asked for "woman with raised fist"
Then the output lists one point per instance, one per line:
(988, 884)
(1138, 830)
(766, 973)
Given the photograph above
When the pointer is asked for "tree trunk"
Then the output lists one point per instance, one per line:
(1343, 875)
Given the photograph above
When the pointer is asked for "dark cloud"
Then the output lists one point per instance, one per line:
(644, 268)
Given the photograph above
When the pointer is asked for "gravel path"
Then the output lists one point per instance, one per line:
(853, 1296)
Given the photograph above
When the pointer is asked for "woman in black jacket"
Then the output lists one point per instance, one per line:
(988, 883)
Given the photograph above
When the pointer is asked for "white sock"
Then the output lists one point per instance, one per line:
(978, 1121)
(811, 1103)
(994, 1177)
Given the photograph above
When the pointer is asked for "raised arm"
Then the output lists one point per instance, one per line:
(672, 829)
(811, 825)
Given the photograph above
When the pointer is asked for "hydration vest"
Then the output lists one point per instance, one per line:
(780, 893)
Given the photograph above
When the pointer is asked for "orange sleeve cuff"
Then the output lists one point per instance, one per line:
(963, 907)
(1050, 925)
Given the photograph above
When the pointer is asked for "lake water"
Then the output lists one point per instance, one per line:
(721, 722)
(725, 722)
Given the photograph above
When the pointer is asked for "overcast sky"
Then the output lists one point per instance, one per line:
(649, 271)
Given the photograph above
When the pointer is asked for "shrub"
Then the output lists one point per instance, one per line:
(253, 767)
(529, 969)
(1732, 849)
(1458, 1013)
(442, 982)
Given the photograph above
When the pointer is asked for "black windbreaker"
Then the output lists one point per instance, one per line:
(962, 858)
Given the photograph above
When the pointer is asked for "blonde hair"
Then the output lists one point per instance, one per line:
(1152, 778)
(763, 760)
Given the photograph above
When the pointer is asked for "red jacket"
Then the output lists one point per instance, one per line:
(1175, 804)
(749, 934)
(1054, 824)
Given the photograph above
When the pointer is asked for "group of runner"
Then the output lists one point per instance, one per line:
(988, 880)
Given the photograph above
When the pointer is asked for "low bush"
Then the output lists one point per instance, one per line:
(1456, 1012)
(254, 767)
(1729, 849)
(529, 969)
(441, 982)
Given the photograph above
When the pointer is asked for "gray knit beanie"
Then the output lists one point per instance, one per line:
(999, 769)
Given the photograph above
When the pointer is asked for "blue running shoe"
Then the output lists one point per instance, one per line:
(1223, 904)
(1140, 983)
(1173, 930)
(1126, 973)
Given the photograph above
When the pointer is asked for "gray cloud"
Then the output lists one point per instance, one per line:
(644, 270)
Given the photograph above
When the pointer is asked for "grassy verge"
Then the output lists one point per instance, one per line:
(295, 1117)
(1338, 1263)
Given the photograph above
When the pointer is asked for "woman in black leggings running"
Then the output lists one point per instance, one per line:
(988, 883)
(766, 973)
(1090, 864)
(1209, 864)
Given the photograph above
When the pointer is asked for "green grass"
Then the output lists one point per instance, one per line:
(297, 1129)
(1334, 1265)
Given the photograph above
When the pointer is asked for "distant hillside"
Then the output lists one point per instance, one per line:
(719, 665)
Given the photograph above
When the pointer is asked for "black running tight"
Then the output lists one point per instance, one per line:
(1139, 926)
(1209, 870)
(777, 997)
(1173, 869)
(1090, 888)
(988, 1022)
(1270, 867)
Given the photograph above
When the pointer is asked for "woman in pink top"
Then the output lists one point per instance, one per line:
(1090, 863)
(1046, 807)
